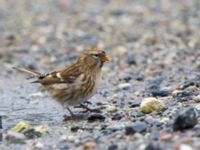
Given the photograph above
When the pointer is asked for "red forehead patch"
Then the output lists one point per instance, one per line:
(96, 49)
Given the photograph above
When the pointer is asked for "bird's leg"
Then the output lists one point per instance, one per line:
(89, 109)
(71, 113)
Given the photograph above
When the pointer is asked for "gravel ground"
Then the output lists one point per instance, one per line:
(155, 50)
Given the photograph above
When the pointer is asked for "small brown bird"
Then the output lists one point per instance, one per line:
(75, 84)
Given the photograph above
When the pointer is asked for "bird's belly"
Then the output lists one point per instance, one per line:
(71, 96)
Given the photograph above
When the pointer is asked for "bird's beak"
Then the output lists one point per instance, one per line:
(105, 58)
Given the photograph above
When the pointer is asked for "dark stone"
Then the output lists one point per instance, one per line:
(113, 147)
(157, 80)
(1, 135)
(117, 116)
(190, 83)
(131, 60)
(115, 128)
(152, 146)
(155, 90)
(104, 93)
(62, 145)
(153, 122)
(133, 105)
(186, 119)
(139, 78)
(184, 96)
(75, 129)
(127, 78)
(96, 117)
(31, 133)
(1, 122)
(136, 127)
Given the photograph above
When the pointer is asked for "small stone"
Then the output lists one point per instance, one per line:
(42, 129)
(21, 127)
(153, 146)
(155, 90)
(113, 147)
(197, 98)
(1, 135)
(124, 86)
(31, 133)
(90, 146)
(15, 137)
(117, 116)
(185, 147)
(166, 137)
(151, 104)
(109, 108)
(75, 128)
(134, 128)
(131, 60)
(36, 131)
(127, 78)
(186, 119)
(37, 94)
(96, 117)
(1, 126)
(37, 146)
(119, 51)
(153, 122)
(176, 92)
(189, 84)
(116, 127)
(63, 145)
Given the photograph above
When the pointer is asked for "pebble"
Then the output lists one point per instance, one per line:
(153, 146)
(153, 122)
(1, 135)
(35, 132)
(113, 147)
(21, 127)
(124, 86)
(134, 128)
(31, 133)
(108, 108)
(155, 90)
(90, 146)
(186, 119)
(15, 137)
(42, 129)
(117, 116)
(131, 60)
(116, 127)
(96, 117)
(185, 147)
(63, 145)
(190, 83)
(166, 137)
(151, 104)
(37, 146)
(1, 126)
(120, 50)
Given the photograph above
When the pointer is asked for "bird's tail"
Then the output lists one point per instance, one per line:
(29, 71)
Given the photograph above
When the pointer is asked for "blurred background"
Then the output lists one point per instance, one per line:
(50, 31)
(155, 50)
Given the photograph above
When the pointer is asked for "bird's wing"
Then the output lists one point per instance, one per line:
(69, 75)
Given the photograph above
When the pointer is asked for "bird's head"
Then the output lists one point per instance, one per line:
(94, 58)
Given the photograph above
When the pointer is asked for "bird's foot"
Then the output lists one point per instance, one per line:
(89, 109)
(76, 117)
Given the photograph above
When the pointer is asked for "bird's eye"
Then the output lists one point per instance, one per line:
(95, 55)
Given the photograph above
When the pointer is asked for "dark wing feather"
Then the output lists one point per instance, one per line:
(68, 75)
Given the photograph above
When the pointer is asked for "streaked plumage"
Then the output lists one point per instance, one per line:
(76, 83)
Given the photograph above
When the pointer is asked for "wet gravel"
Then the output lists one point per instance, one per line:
(155, 52)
